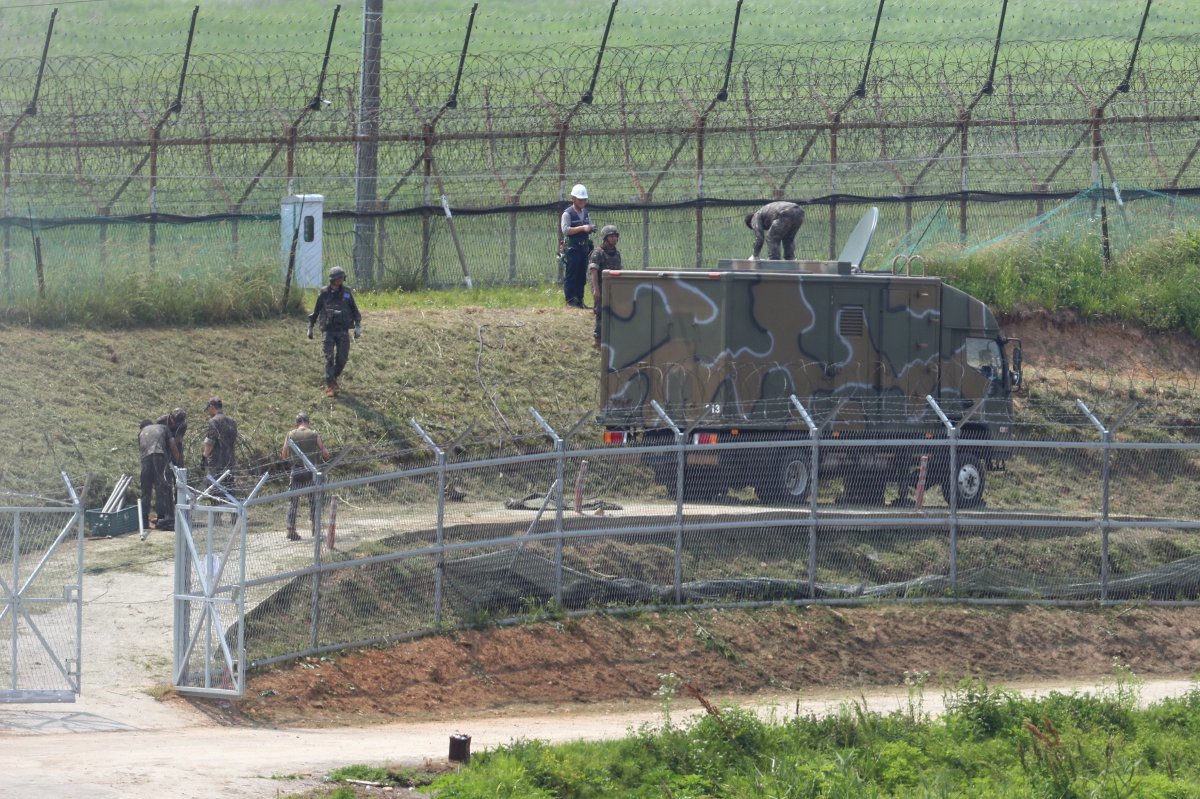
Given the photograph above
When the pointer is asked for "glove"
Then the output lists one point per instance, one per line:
(358, 330)
(203, 465)
(310, 330)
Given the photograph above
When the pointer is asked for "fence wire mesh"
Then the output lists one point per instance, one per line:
(210, 599)
(41, 569)
(538, 526)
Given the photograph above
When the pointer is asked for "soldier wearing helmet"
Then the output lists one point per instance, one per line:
(606, 256)
(336, 312)
(576, 228)
(176, 424)
(778, 223)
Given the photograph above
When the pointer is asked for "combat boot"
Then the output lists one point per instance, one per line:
(292, 534)
(331, 389)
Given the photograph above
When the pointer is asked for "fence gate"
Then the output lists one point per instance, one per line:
(210, 567)
(41, 601)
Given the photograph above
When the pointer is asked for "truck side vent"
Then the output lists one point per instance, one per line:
(851, 320)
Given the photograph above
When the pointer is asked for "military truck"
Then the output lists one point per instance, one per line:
(723, 353)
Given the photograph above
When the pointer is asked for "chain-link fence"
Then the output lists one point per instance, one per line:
(41, 596)
(1078, 506)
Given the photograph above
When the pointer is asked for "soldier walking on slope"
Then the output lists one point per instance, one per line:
(777, 222)
(337, 313)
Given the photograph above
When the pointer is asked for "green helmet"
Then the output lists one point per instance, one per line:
(609, 230)
(337, 272)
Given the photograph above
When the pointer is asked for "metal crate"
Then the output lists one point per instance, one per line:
(119, 522)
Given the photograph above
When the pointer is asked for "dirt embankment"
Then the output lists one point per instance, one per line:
(721, 652)
(1103, 350)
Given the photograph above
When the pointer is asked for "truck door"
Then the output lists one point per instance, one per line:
(908, 345)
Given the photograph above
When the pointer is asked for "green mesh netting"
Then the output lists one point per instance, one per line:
(1131, 214)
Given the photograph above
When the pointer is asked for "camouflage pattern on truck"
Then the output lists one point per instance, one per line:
(734, 346)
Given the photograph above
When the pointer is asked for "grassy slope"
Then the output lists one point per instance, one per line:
(74, 397)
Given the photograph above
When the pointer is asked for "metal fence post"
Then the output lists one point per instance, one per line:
(318, 500)
(77, 589)
(952, 484)
(814, 435)
(440, 564)
(559, 467)
(15, 577)
(181, 617)
(1106, 439)
(679, 460)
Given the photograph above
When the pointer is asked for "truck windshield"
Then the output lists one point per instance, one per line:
(984, 354)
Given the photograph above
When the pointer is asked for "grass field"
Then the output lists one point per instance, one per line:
(439, 25)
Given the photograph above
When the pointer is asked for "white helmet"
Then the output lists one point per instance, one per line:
(579, 191)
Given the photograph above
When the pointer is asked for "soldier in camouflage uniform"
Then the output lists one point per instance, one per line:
(219, 441)
(606, 256)
(154, 446)
(310, 443)
(337, 313)
(176, 423)
(778, 223)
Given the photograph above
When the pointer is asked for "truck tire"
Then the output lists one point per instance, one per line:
(787, 480)
(970, 482)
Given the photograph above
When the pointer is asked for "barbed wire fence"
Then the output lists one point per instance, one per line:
(181, 153)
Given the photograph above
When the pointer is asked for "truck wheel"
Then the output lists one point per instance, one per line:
(969, 482)
(787, 481)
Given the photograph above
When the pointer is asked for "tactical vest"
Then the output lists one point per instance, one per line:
(336, 315)
(575, 219)
(306, 440)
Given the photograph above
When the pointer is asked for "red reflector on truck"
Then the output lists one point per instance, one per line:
(704, 438)
(615, 437)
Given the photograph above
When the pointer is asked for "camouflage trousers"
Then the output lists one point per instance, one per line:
(301, 478)
(154, 483)
(337, 352)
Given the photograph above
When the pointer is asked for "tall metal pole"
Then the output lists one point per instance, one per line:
(366, 160)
